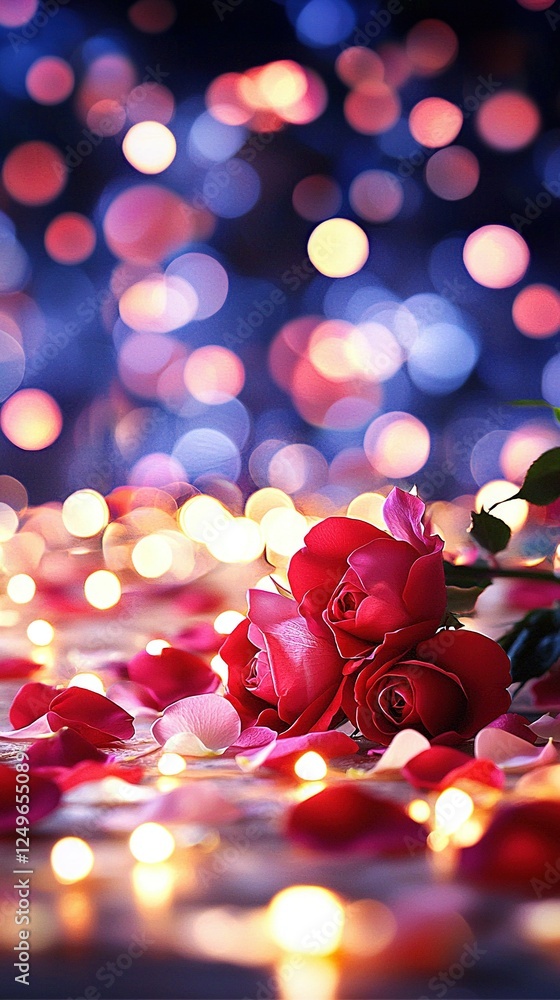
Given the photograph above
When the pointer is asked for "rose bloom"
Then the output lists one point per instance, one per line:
(355, 583)
(280, 674)
(448, 688)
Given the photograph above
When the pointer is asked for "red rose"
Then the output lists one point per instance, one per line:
(280, 674)
(448, 688)
(356, 582)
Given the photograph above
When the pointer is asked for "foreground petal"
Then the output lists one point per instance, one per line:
(282, 754)
(208, 717)
(512, 753)
(44, 797)
(430, 767)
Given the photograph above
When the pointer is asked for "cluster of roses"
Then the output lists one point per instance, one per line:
(363, 639)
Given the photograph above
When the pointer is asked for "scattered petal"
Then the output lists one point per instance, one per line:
(44, 797)
(512, 753)
(547, 727)
(430, 767)
(402, 748)
(203, 724)
(282, 754)
(344, 817)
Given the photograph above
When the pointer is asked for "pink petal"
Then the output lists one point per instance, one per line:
(254, 738)
(199, 803)
(136, 699)
(547, 727)
(430, 767)
(402, 748)
(512, 753)
(282, 754)
(403, 513)
(209, 717)
(514, 723)
(35, 730)
(90, 770)
(344, 817)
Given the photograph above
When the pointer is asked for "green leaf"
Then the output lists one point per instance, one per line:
(542, 482)
(531, 402)
(490, 532)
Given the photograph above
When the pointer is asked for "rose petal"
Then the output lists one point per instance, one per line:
(44, 797)
(16, 666)
(208, 717)
(547, 727)
(344, 817)
(88, 771)
(514, 723)
(136, 699)
(510, 752)
(254, 738)
(282, 754)
(35, 730)
(172, 674)
(429, 768)
(199, 803)
(322, 562)
(518, 850)
(31, 701)
(402, 748)
(64, 749)
(403, 513)
(483, 772)
(95, 717)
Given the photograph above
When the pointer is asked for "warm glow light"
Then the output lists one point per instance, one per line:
(515, 513)
(419, 810)
(31, 419)
(171, 763)
(338, 247)
(152, 556)
(9, 522)
(284, 530)
(203, 518)
(21, 588)
(71, 860)
(508, 120)
(368, 507)
(541, 922)
(149, 147)
(310, 766)
(306, 920)
(155, 646)
(496, 256)
(240, 541)
(220, 668)
(469, 833)
(226, 621)
(397, 444)
(102, 589)
(90, 682)
(40, 632)
(85, 513)
(213, 375)
(153, 884)
(453, 808)
(151, 843)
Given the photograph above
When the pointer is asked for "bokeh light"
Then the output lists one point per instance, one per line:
(149, 147)
(21, 588)
(72, 860)
(214, 375)
(435, 122)
(338, 247)
(452, 173)
(508, 121)
(31, 419)
(317, 197)
(397, 444)
(151, 843)
(376, 195)
(431, 47)
(514, 513)
(50, 80)
(152, 16)
(15, 13)
(536, 311)
(34, 173)
(70, 238)
(306, 919)
(496, 256)
(102, 589)
(85, 513)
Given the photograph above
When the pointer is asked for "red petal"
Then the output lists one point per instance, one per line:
(429, 768)
(323, 560)
(485, 772)
(344, 817)
(44, 797)
(31, 701)
(285, 751)
(16, 666)
(90, 770)
(172, 674)
(518, 850)
(93, 716)
(64, 749)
